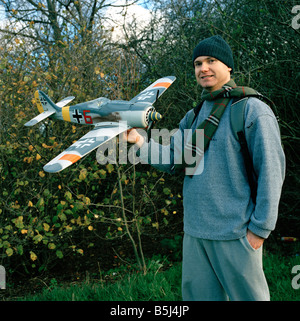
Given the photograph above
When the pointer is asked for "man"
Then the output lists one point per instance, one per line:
(224, 228)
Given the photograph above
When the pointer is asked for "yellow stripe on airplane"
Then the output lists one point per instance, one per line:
(66, 113)
(38, 102)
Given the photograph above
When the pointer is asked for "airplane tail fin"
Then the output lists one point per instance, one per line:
(44, 103)
(46, 107)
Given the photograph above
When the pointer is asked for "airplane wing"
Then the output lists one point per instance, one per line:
(65, 101)
(40, 117)
(93, 139)
(154, 91)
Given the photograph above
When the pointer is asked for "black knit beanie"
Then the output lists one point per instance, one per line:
(216, 47)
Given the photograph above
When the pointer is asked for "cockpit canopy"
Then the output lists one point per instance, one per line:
(96, 103)
(101, 101)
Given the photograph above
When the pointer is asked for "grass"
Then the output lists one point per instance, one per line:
(278, 271)
(161, 285)
(154, 286)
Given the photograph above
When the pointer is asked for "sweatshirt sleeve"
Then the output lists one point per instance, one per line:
(264, 143)
(163, 156)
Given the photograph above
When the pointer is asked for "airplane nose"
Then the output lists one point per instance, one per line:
(154, 116)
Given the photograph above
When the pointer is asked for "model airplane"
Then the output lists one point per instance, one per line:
(109, 118)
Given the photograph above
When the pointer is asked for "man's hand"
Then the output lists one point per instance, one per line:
(255, 241)
(132, 136)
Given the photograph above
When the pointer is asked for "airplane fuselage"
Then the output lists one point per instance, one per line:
(103, 110)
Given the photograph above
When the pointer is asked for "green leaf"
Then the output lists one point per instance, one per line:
(9, 251)
(20, 249)
(59, 254)
(37, 238)
(46, 192)
(109, 168)
(18, 222)
(52, 246)
(40, 203)
(68, 196)
(167, 191)
(102, 173)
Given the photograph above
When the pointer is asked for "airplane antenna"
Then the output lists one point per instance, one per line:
(157, 94)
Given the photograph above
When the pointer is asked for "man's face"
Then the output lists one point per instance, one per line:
(211, 73)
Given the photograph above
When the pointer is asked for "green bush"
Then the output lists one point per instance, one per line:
(46, 217)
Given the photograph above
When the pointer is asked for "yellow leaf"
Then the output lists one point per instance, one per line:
(46, 227)
(155, 225)
(82, 175)
(46, 146)
(120, 229)
(30, 147)
(59, 186)
(87, 200)
(30, 204)
(38, 157)
(68, 228)
(33, 256)
(41, 174)
(90, 228)
(28, 160)
(24, 231)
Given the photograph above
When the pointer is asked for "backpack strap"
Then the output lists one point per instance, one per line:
(248, 165)
(237, 118)
(237, 111)
(193, 115)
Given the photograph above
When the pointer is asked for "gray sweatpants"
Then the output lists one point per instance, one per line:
(222, 270)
